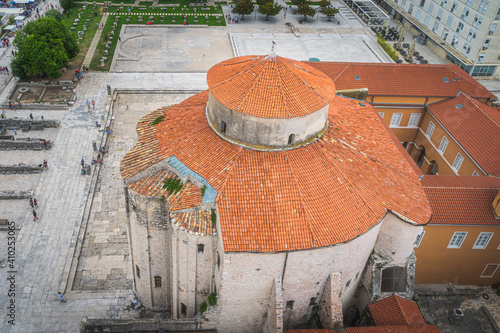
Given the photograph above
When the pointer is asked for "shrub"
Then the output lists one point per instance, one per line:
(212, 299)
(172, 185)
(387, 48)
(203, 307)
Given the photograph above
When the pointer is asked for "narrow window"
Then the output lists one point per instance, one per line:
(312, 301)
(414, 118)
(289, 305)
(430, 130)
(158, 281)
(218, 261)
(291, 139)
(348, 284)
(443, 145)
(419, 239)
(201, 248)
(183, 309)
(223, 127)
(357, 275)
(457, 240)
(483, 240)
(137, 272)
(396, 119)
(458, 162)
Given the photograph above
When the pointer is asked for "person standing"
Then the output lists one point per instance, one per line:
(61, 297)
(45, 165)
(35, 203)
(31, 116)
(93, 105)
(34, 215)
(88, 104)
(31, 202)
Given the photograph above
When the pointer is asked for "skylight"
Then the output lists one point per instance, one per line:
(357, 77)
(445, 79)
(458, 106)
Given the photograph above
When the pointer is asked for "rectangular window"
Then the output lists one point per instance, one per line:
(481, 58)
(419, 13)
(474, 173)
(479, 22)
(426, 20)
(490, 270)
(414, 120)
(474, 34)
(469, 36)
(435, 27)
(476, 18)
(137, 272)
(454, 7)
(460, 27)
(445, 34)
(483, 240)
(492, 29)
(449, 21)
(454, 41)
(419, 239)
(469, 2)
(483, 70)
(497, 17)
(485, 8)
(439, 14)
(466, 49)
(431, 7)
(465, 14)
(458, 162)
(381, 115)
(443, 3)
(486, 44)
(410, 10)
(157, 281)
(430, 130)
(422, 3)
(396, 119)
(403, 3)
(443, 144)
(457, 240)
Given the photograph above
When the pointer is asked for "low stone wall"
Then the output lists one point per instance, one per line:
(21, 144)
(38, 106)
(10, 195)
(20, 123)
(20, 168)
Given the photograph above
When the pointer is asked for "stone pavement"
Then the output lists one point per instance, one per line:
(95, 41)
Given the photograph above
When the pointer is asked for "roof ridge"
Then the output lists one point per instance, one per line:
(481, 110)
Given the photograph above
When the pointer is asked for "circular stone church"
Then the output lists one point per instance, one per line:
(290, 203)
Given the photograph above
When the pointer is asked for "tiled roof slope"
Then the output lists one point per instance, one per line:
(476, 127)
(198, 221)
(328, 192)
(462, 200)
(270, 86)
(377, 329)
(403, 79)
(395, 310)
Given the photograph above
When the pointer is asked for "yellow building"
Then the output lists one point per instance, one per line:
(439, 113)
(461, 243)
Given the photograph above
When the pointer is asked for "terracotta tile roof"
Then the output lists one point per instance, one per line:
(188, 197)
(301, 198)
(395, 310)
(475, 125)
(198, 221)
(377, 329)
(403, 79)
(270, 87)
(462, 200)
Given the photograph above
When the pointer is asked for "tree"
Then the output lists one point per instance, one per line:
(66, 4)
(54, 13)
(44, 47)
(270, 8)
(243, 7)
(306, 10)
(327, 9)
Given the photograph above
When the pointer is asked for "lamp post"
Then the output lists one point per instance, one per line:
(255, 11)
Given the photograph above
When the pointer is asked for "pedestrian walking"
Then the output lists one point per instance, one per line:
(82, 162)
(15, 131)
(45, 165)
(31, 203)
(31, 116)
(93, 105)
(34, 215)
(10, 105)
(119, 39)
(97, 25)
(88, 104)
(35, 202)
(61, 297)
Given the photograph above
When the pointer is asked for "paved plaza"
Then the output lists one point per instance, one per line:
(79, 243)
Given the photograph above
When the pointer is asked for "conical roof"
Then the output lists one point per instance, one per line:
(270, 86)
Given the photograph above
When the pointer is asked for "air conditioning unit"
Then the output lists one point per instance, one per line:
(458, 313)
(485, 47)
(491, 32)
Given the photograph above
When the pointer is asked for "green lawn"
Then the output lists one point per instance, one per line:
(312, 3)
(181, 9)
(101, 46)
(88, 35)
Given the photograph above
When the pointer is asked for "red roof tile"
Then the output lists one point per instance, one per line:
(395, 310)
(300, 198)
(377, 329)
(403, 79)
(476, 127)
(270, 86)
(198, 221)
(462, 199)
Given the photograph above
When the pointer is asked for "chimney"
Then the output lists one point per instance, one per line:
(496, 205)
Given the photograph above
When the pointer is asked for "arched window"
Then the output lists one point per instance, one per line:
(201, 248)
(348, 284)
(223, 127)
(291, 139)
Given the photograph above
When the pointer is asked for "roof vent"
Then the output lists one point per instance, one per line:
(445, 79)
(357, 77)
(458, 314)
(362, 104)
(458, 106)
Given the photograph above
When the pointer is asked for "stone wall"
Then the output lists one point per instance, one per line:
(331, 303)
(20, 123)
(274, 319)
(7, 195)
(265, 132)
(20, 168)
(24, 144)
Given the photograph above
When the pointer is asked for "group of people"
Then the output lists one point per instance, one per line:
(13, 106)
(34, 206)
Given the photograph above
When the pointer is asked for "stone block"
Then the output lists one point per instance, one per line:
(127, 21)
